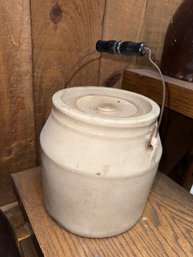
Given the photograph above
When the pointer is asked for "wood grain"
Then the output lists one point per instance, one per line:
(179, 94)
(165, 229)
(63, 32)
(17, 137)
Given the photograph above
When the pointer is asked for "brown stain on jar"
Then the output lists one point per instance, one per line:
(106, 169)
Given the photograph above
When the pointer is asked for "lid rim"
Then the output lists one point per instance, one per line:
(136, 121)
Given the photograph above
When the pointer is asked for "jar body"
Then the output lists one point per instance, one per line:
(96, 179)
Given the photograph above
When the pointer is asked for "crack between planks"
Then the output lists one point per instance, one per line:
(102, 37)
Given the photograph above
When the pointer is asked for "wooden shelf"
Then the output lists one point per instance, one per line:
(179, 94)
(163, 230)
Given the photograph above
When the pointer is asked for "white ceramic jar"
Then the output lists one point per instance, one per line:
(96, 169)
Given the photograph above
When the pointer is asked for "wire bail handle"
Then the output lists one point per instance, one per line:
(127, 48)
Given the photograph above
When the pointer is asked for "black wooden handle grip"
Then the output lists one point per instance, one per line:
(121, 47)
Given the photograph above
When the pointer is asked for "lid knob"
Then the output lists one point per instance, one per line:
(106, 107)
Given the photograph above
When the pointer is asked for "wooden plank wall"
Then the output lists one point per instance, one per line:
(17, 131)
(60, 33)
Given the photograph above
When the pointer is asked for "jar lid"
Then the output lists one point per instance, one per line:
(106, 106)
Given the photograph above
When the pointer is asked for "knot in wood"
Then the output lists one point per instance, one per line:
(56, 13)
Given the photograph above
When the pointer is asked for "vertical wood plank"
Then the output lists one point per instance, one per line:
(62, 32)
(17, 139)
(123, 21)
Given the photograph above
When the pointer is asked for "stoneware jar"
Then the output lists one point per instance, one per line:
(96, 169)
